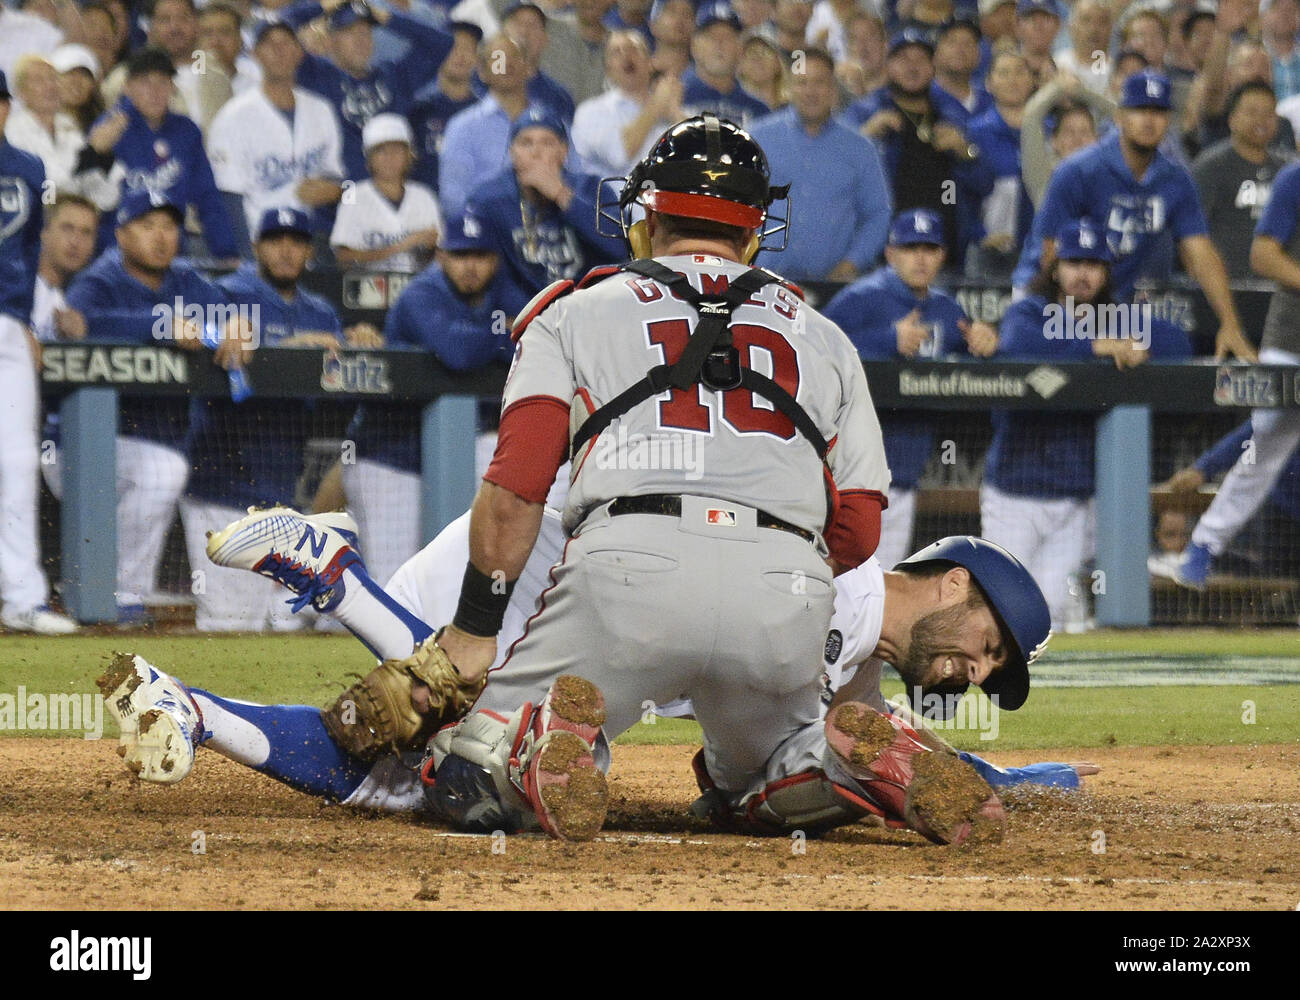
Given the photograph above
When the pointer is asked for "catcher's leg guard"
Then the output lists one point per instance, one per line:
(941, 796)
(544, 765)
(810, 802)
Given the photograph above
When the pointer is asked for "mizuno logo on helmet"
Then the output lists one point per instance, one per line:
(714, 175)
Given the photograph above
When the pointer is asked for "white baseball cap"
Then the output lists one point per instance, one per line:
(387, 127)
(70, 57)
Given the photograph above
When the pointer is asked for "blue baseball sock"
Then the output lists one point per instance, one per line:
(385, 627)
(286, 742)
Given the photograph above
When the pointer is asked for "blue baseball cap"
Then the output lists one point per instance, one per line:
(1147, 89)
(911, 35)
(267, 23)
(916, 226)
(717, 12)
(142, 201)
(537, 116)
(350, 13)
(464, 232)
(1082, 240)
(1026, 7)
(284, 220)
(1016, 601)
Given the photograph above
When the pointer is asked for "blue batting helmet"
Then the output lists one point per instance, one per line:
(1016, 602)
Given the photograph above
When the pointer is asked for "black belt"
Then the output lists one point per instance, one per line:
(671, 505)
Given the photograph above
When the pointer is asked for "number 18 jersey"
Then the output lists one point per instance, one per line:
(585, 348)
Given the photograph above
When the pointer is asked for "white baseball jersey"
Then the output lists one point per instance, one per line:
(257, 153)
(367, 220)
(591, 345)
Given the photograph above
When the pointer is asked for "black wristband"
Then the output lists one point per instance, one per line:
(481, 608)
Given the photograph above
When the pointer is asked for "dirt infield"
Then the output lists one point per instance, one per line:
(1213, 827)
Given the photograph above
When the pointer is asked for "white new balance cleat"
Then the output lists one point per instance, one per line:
(161, 723)
(305, 553)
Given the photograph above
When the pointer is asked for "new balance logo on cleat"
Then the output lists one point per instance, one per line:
(160, 723)
(317, 542)
(305, 554)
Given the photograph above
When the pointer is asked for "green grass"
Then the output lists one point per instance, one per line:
(1181, 642)
(311, 670)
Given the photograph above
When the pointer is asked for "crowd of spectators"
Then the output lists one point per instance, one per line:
(466, 143)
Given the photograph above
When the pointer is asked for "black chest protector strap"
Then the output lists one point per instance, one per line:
(712, 332)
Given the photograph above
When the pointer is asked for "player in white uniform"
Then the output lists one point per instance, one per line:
(387, 223)
(875, 616)
(23, 586)
(742, 596)
(277, 144)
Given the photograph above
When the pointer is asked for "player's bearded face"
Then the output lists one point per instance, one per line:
(468, 271)
(951, 645)
(282, 258)
(1082, 280)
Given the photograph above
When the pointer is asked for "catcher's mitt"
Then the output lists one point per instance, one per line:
(375, 714)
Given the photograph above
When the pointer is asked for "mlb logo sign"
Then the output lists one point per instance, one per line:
(716, 515)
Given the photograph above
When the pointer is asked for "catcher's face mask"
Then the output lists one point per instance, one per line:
(701, 168)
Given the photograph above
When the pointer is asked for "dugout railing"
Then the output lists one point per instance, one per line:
(84, 381)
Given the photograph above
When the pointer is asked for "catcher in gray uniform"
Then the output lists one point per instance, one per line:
(727, 460)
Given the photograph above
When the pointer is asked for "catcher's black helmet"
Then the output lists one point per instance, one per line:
(704, 167)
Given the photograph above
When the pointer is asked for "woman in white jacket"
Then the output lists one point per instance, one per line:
(38, 125)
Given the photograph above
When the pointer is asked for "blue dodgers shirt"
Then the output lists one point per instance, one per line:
(867, 310)
(119, 308)
(389, 86)
(251, 453)
(550, 244)
(173, 161)
(1051, 455)
(1097, 183)
(22, 182)
(430, 316)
